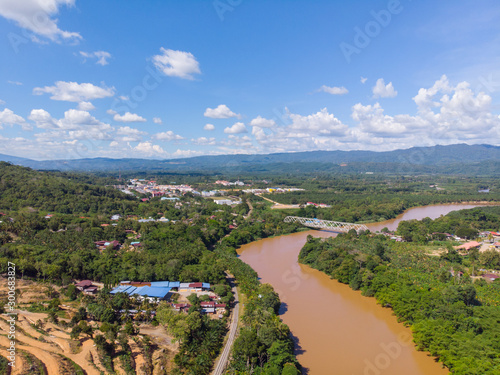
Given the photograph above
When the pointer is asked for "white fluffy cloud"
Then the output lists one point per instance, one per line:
(363, 79)
(334, 90)
(101, 56)
(209, 127)
(128, 134)
(446, 114)
(75, 125)
(74, 119)
(128, 117)
(148, 149)
(204, 141)
(168, 136)
(381, 90)
(222, 111)
(321, 122)
(237, 128)
(75, 92)
(38, 16)
(86, 106)
(157, 120)
(262, 122)
(8, 117)
(176, 63)
(42, 119)
(371, 119)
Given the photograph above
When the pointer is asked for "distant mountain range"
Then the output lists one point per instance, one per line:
(459, 158)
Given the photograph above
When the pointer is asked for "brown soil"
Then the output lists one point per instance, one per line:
(53, 347)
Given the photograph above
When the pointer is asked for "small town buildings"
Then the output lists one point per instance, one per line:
(153, 292)
(466, 247)
(181, 306)
(194, 287)
(86, 287)
(491, 276)
(102, 245)
(148, 220)
(223, 201)
(156, 291)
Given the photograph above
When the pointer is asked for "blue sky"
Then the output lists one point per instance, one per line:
(168, 79)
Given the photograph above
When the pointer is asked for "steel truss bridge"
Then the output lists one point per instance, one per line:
(325, 224)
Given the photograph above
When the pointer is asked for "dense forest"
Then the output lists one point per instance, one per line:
(58, 192)
(454, 314)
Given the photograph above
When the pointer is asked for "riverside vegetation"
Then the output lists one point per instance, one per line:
(453, 316)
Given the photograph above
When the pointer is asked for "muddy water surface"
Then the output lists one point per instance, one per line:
(338, 331)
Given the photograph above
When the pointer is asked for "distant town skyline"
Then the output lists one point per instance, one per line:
(167, 79)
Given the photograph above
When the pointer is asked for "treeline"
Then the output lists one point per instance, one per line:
(452, 317)
(463, 223)
(55, 192)
(264, 344)
(370, 207)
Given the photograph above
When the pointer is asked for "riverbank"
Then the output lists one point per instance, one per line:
(432, 295)
(318, 309)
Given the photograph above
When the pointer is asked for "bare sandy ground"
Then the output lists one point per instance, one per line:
(52, 344)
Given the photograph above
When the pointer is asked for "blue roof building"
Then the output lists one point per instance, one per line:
(157, 290)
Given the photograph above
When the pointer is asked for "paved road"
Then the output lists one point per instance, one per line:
(233, 328)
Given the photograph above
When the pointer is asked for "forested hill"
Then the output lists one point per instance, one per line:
(22, 188)
(456, 159)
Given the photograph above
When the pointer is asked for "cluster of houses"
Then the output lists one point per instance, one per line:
(86, 287)
(227, 201)
(116, 245)
(489, 241)
(209, 307)
(227, 183)
(271, 190)
(172, 192)
(143, 186)
(158, 290)
(320, 205)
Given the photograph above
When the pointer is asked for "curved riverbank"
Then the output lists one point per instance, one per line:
(338, 330)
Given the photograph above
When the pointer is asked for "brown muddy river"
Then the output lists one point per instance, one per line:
(337, 330)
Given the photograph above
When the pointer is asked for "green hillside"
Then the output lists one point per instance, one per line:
(25, 188)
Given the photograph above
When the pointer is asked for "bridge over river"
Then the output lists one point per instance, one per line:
(325, 224)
